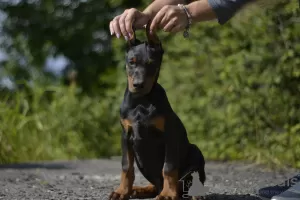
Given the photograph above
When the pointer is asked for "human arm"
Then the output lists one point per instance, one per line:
(173, 18)
(156, 5)
(165, 14)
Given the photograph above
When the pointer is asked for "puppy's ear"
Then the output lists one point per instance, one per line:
(152, 37)
(132, 40)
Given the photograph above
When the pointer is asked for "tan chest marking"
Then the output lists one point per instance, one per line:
(157, 122)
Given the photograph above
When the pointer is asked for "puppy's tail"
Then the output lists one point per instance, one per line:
(198, 162)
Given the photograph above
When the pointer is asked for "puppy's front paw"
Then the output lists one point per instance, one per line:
(167, 195)
(119, 194)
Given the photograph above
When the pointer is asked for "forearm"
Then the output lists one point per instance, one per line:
(156, 5)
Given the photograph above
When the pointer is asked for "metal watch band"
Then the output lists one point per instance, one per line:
(189, 18)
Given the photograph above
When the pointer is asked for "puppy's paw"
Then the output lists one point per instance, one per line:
(119, 195)
(160, 197)
(167, 195)
(143, 192)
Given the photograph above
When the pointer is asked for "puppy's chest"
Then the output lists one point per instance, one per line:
(147, 124)
(146, 130)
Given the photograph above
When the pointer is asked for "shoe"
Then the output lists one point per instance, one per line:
(293, 193)
(271, 192)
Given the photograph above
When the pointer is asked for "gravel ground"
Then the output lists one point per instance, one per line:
(95, 179)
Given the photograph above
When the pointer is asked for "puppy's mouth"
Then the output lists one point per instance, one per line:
(140, 91)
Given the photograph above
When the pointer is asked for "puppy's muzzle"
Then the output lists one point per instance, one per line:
(138, 84)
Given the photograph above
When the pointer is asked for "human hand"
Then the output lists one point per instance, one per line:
(170, 18)
(123, 24)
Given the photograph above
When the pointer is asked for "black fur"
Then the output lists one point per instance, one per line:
(155, 151)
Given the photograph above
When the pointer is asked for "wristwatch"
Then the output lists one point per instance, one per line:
(189, 18)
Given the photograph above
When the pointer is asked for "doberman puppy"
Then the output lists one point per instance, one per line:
(152, 134)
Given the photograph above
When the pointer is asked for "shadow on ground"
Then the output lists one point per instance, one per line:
(36, 166)
(222, 197)
(230, 197)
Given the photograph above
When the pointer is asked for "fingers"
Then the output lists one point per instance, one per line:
(158, 18)
(111, 28)
(115, 26)
(169, 18)
(163, 22)
(129, 22)
(173, 26)
(170, 25)
(122, 24)
(175, 29)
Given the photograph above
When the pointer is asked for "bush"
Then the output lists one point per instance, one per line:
(67, 127)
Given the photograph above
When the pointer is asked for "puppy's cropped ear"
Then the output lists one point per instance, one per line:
(152, 37)
(132, 40)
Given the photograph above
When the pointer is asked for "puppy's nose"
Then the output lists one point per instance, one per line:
(138, 85)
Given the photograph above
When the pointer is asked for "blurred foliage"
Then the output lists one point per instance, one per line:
(77, 29)
(58, 130)
(236, 87)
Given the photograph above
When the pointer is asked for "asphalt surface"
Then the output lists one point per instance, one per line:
(95, 179)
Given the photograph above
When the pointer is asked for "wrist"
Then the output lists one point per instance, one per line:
(188, 18)
(156, 5)
(187, 13)
(148, 13)
(192, 15)
(200, 11)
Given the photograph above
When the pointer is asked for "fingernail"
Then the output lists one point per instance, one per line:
(118, 35)
(126, 38)
(129, 35)
(111, 33)
(151, 31)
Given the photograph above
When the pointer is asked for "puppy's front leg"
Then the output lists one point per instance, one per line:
(171, 164)
(127, 175)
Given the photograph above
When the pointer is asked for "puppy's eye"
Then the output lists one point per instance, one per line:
(132, 61)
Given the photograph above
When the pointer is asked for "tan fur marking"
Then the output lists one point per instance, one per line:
(159, 123)
(127, 179)
(170, 188)
(134, 59)
(127, 124)
(130, 84)
(139, 192)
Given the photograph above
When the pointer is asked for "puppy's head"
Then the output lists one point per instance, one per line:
(143, 61)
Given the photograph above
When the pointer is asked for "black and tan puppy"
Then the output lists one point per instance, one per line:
(153, 136)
